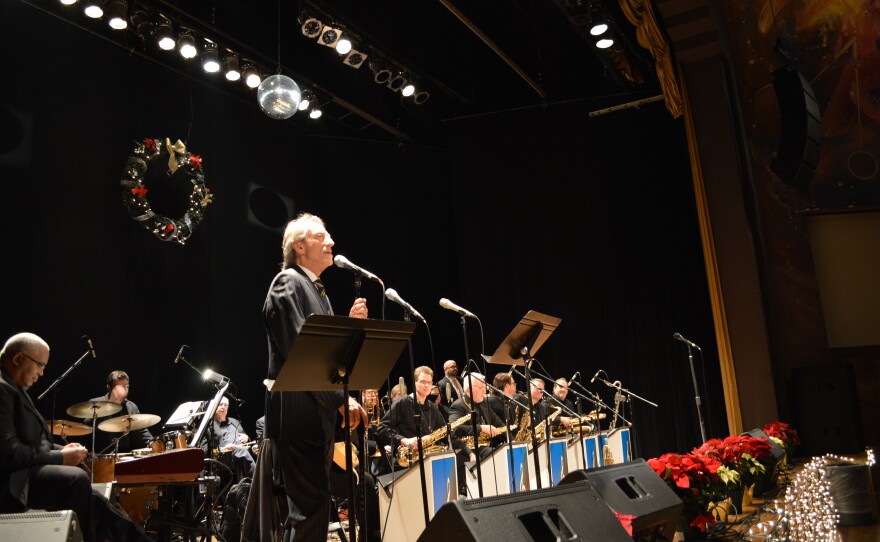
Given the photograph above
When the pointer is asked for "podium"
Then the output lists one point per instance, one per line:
(400, 496)
(554, 470)
(500, 476)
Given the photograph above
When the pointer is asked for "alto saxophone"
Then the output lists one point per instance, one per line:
(407, 455)
(483, 439)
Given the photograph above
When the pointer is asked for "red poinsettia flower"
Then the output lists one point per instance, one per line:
(168, 228)
(626, 520)
(150, 144)
(139, 191)
(196, 161)
(783, 432)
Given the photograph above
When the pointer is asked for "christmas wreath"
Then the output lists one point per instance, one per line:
(134, 193)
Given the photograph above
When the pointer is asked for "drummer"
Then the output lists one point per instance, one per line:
(117, 392)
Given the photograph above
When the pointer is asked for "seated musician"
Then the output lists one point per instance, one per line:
(229, 441)
(369, 527)
(398, 426)
(543, 408)
(34, 471)
(500, 402)
(488, 423)
(118, 385)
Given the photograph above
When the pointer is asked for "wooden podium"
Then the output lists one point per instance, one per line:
(400, 496)
(498, 477)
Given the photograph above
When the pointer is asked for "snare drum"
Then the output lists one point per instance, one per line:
(105, 468)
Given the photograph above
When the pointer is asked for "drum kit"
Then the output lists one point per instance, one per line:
(101, 467)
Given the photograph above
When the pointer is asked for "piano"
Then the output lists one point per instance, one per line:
(179, 465)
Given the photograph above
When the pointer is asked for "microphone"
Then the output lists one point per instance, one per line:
(575, 375)
(179, 353)
(595, 376)
(448, 392)
(402, 386)
(392, 294)
(343, 262)
(449, 305)
(88, 340)
(677, 336)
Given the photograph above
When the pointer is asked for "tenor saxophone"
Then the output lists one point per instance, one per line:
(407, 455)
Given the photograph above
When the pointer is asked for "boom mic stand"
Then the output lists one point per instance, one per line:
(621, 390)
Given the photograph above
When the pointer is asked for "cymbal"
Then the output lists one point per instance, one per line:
(68, 428)
(88, 409)
(129, 422)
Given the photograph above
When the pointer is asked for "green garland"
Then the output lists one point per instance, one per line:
(134, 192)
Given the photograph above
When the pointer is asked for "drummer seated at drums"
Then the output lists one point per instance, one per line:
(230, 442)
(117, 392)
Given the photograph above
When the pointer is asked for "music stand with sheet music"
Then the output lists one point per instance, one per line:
(334, 351)
(518, 348)
(184, 414)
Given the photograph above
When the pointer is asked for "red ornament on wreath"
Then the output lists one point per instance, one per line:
(134, 192)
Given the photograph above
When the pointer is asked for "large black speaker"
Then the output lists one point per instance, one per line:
(634, 488)
(566, 512)
(60, 526)
(798, 151)
(826, 410)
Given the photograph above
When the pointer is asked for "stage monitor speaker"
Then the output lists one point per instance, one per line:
(58, 526)
(826, 410)
(557, 514)
(776, 451)
(798, 151)
(634, 488)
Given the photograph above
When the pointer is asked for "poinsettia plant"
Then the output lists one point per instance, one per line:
(695, 479)
(743, 454)
(783, 434)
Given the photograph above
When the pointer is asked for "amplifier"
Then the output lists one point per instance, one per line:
(42, 526)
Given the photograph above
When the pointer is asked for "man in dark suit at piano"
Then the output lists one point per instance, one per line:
(34, 471)
(300, 425)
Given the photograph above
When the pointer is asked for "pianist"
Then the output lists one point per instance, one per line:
(36, 473)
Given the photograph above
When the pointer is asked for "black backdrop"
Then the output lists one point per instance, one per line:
(589, 220)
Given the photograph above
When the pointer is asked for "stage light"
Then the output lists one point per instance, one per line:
(142, 24)
(230, 66)
(329, 36)
(343, 46)
(355, 59)
(93, 9)
(68, 2)
(164, 35)
(306, 100)
(187, 45)
(117, 12)
(408, 90)
(397, 82)
(251, 76)
(421, 97)
(311, 27)
(210, 57)
(315, 114)
(606, 41)
(599, 22)
(381, 72)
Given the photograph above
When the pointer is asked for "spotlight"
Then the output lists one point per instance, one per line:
(142, 24)
(605, 41)
(68, 2)
(210, 57)
(599, 22)
(164, 35)
(408, 90)
(117, 12)
(187, 44)
(397, 82)
(354, 59)
(251, 76)
(230, 66)
(381, 72)
(421, 97)
(93, 9)
(343, 46)
(306, 99)
(329, 36)
(311, 27)
(315, 114)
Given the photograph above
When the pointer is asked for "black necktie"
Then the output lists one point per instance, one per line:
(320, 286)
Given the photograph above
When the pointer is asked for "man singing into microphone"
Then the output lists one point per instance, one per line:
(300, 425)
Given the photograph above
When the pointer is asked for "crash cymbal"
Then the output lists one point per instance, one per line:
(129, 422)
(68, 428)
(88, 409)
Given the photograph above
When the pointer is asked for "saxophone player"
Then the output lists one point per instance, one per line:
(487, 421)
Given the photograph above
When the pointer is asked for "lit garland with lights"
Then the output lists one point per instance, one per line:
(134, 192)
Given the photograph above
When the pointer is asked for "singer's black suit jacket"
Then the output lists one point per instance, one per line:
(290, 415)
(24, 442)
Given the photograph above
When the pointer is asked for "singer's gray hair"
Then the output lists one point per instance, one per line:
(296, 231)
(475, 376)
(21, 342)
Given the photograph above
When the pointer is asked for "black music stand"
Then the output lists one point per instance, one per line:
(325, 354)
(518, 348)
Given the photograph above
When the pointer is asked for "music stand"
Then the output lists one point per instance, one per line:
(326, 353)
(518, 348)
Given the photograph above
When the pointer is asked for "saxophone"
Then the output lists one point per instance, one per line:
(483, 439)
(407, 455)
(540, 429)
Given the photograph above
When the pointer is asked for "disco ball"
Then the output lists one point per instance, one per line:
(278, 96)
